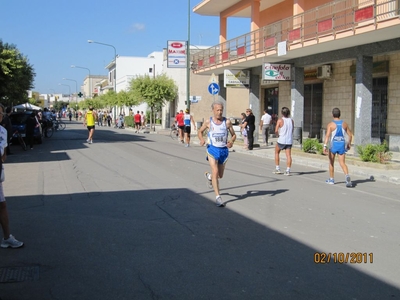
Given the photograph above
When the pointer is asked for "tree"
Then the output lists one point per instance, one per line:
(154, 91)
(16, 75)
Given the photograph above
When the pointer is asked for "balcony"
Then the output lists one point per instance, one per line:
(336, 25)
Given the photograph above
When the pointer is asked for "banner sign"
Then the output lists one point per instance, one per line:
(176, 56)
(276, 72)
(236, 78)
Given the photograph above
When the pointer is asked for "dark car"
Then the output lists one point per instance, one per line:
(18, 122)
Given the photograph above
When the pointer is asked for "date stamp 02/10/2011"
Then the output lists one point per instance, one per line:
(343, 257)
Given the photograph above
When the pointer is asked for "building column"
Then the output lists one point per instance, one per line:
(297, 96)
(254, 101)
(222, 29)
(222, 93)
(255, 15)
(363, 101)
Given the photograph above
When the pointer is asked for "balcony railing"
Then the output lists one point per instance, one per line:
(327, 22)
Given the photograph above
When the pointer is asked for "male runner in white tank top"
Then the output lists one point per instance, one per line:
(217, 148)
(284, 130)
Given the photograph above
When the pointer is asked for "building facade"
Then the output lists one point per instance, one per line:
(343, 54)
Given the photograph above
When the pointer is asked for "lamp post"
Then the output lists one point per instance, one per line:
(76, 89)
(69, 88)
(115, 61)
(188, 62)
(90, 84)
(115, 67)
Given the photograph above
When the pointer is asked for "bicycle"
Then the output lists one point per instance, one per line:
(174, 132)
(17, 135)
(59, 125)
(47, 129)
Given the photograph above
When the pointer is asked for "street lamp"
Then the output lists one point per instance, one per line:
(115, 61)
(115, 68)
(188, 62)
(90, 84)
(76, 89)
(69, 88)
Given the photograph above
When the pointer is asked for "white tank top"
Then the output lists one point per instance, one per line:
(218, 134)
(286, 132)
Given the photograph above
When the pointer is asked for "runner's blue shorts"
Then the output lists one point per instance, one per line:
(219, 154)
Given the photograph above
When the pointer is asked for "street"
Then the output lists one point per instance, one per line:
(130, 217)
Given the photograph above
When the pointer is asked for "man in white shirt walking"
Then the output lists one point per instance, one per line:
(264, 126)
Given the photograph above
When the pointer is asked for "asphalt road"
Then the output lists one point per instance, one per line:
(130, 217)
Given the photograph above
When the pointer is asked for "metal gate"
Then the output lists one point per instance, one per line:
(379, 108)
(312, 110)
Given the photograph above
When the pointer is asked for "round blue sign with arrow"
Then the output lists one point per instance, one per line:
(213, 88)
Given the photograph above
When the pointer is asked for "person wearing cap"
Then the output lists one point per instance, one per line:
(89, 122)
(188, 120)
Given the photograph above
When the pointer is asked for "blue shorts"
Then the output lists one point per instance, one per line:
(219, 154)
(284, 146)
(338, 147)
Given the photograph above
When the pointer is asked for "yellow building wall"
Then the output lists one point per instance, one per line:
(237, 101)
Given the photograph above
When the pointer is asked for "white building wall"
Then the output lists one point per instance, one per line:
(130, 67)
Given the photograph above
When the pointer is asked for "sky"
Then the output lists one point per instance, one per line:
(53, 34)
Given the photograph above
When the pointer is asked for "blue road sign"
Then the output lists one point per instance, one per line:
(213, 88)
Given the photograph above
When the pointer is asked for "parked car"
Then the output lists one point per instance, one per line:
(18, 122)
(236, 121)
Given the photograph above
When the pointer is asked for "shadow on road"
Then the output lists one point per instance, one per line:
(166, 244)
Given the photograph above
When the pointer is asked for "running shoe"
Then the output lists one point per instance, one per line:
(11, 242)
(209, 181)
(330, 181)
(348, 181)
(277, 171)
(219, 202)
(287, 173)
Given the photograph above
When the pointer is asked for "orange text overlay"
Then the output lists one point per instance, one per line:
(343, 258)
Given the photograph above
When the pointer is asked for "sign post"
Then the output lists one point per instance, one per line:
(213, 89)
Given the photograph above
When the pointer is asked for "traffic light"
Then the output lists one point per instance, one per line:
(80, 94)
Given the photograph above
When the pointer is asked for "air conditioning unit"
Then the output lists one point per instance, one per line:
(324, 72)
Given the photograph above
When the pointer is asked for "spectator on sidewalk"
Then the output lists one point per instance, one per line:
(265, 122)
(244, 132)
(31, 124)
(8, 239)
(250, 125)
(6, 123)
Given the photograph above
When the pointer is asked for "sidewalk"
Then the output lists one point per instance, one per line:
(371, 171)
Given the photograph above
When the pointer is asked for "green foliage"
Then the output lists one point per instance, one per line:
(16, 75)
(312, 146)
(59, 105)
(375, 152)
(153, 91)
(129, 121)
